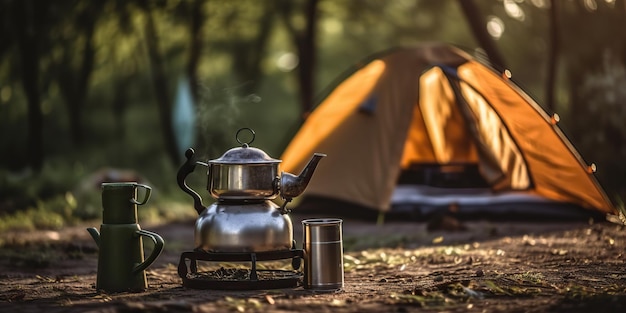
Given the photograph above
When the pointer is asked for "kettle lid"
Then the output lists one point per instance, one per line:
(245, 154)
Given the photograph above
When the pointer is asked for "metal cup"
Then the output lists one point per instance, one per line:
(323, 253)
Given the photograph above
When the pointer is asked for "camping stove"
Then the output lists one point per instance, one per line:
(232, 278)
(246, 232)
(243, 224)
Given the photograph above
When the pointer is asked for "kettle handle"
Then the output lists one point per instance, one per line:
(146, 195)
(184, 170)
(156, 251)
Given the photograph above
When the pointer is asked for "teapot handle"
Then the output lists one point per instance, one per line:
(184, 170)
(156, 251)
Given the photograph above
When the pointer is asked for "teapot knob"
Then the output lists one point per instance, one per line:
(245, 144)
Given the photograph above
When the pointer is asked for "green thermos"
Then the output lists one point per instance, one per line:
(121, 264)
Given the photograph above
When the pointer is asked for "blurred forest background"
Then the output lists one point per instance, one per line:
(91, 90)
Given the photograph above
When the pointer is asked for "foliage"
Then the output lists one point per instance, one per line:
(244, 80)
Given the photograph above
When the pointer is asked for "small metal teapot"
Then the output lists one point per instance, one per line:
(243, 180)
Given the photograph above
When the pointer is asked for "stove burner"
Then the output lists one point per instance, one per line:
(239, 279)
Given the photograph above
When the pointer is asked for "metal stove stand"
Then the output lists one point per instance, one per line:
(188, 266)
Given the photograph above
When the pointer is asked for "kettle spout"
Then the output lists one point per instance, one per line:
(291, 185)
(94, 234)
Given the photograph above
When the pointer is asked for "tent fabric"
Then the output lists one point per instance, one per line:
(434, 104)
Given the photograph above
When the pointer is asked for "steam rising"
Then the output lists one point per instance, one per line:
(219, 117)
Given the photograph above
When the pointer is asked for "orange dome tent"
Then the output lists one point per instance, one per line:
(434, 106)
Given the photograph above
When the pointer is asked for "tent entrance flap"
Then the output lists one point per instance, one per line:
(438, 131)
(453, 124)
(501, 161)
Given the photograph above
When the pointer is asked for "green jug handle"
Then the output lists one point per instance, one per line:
(158, 248)
(145, 197)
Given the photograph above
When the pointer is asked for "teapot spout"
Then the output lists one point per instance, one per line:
(94, 234)
(291, 185)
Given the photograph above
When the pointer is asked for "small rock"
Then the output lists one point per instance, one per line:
(438, 278)
(480, 273)
(445, 222)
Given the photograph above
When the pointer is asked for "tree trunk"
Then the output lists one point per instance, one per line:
(160, 88)
(248, 54)
(120, 103)
(28, 21)
(257, 52)
(478, 27)
(552, 56)
(195, 48)
(305, 43)
(306, 48)
(74, 83)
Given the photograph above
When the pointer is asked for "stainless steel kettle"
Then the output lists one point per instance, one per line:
(243, 181)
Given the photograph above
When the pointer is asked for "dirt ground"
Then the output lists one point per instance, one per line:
(482, 266)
